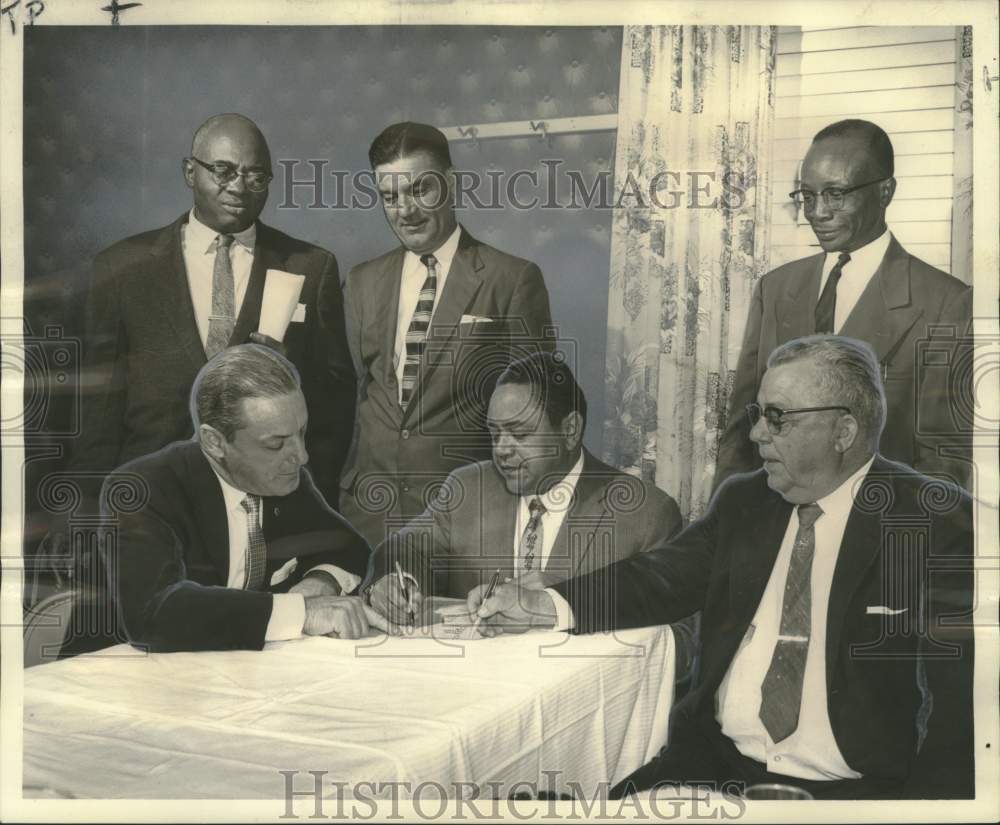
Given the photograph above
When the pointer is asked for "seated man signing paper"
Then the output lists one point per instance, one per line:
(223, 541)
(543, 510)
(836, 589)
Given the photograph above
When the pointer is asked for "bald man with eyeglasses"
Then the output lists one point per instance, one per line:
(864, 284)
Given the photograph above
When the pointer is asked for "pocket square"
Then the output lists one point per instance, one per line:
(286, 570)
(475, 319)
(300, 314)
(882, 610)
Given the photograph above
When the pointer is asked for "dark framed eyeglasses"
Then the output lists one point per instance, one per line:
(225, 173)
(774, 417)
(833, 196)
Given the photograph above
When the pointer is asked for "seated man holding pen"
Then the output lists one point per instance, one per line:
(542, 511)
(836, 589)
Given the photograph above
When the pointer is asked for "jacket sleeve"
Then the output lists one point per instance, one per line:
(736, 452)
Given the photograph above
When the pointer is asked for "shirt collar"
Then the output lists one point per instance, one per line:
(230, 494)
(200, 237)
(841, 500)
(864, 260)
(444, 253)
(560, 494)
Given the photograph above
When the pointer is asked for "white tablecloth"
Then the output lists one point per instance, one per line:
(550, 709)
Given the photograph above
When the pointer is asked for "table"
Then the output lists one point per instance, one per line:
(546, 708)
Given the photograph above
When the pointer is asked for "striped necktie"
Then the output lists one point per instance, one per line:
(826, 307)
(531, 538)
(416, 333)
(222, 320)
(781, 691)
(256, 554)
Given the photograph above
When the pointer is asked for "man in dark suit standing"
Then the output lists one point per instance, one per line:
(430, 324)
(543, 508)
(161, 303)
(224, 542)
(864, 285)
(836, 589)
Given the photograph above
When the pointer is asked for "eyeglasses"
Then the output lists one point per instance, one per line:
(226, 173)
(774, 416)
(832, 196)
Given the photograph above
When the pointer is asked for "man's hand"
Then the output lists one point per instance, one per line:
(317, 583)
(268, 341)
(388, 600)
(342, 616)
(54, 557)
(511, 609)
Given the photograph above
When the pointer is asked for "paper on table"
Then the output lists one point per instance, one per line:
(281, 296)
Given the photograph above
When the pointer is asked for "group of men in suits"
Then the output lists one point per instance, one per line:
(817, 668)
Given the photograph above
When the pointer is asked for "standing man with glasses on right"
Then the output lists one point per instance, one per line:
(863, 285)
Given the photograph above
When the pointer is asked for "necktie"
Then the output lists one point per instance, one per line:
(222, 319)
(781, 691)
(531, 538)
(826, 307)
(416, 333)
(256, 555)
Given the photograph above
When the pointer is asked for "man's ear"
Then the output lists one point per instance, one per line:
(886, 190)
(212, 442)
(847, 433)
(187, 167)
(572, 430)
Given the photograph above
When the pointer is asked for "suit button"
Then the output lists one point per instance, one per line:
(404, 487)
(404, 434)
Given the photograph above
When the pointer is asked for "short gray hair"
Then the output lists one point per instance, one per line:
(234, 375)
(847, 371)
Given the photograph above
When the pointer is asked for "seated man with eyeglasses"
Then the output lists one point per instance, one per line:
(863, 284)
(836, 590)
(160, 304)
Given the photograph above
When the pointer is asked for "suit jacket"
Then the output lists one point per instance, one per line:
(907, 546)
(399, 456)
(142, 350)
(470, 528)
(169, 555)
(925, 383)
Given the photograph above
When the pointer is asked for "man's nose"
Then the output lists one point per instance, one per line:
(298, 452)
(759, 431)
(820, 211)
(238, 183)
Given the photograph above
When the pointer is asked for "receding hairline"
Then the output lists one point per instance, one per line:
(222, 124)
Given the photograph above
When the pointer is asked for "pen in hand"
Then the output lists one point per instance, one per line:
(406, 593)
(489, 592)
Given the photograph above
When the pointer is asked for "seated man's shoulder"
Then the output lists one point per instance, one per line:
(164, 474)
(898, 490)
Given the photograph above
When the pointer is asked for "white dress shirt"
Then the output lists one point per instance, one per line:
(854, 276)
(288, 610)
(198, 243)
(811, 751)
(412, 279)
(556, 500)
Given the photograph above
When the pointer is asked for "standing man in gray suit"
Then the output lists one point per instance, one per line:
(863, 285)
(431, 325)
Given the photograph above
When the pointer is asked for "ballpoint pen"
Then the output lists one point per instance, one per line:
(406, 593)
(489, 592)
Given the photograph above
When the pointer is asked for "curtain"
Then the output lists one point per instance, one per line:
(961, 208)
(689, 240)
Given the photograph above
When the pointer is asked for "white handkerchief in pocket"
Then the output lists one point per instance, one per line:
(475, 319)
(283, 572)
(882, 610)
(299, 316)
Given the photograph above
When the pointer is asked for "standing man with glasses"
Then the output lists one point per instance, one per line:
(863, 284)
(431, 325)
(162, 303)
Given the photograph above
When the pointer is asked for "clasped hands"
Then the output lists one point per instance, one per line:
(330, 613)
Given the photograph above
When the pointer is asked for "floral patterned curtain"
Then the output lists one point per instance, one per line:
(689, 239)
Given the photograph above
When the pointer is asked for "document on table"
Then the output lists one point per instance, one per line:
(446, 621)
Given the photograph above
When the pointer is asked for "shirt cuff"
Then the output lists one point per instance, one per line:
(288, 617)
(564, 613)
(347, 581)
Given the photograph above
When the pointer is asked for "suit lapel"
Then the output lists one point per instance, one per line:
(860, 547)
(795, 310)
(884, 313)
(584, 517)
(210, 512)
(499, 523)
(168, 285)
(386, 290)
(265, 257)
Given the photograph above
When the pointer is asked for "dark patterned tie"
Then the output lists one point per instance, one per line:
(826, 307)
(531, 538)
(256, 555)
(222, 319)
(416, 333)
(781, 691)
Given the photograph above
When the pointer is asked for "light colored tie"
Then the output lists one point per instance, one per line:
(531, 538)
(416, 333)
(222, 320)
(826, 307)
(781, 691)
(256, 554)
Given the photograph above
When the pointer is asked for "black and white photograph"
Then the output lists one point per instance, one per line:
(500, 411)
